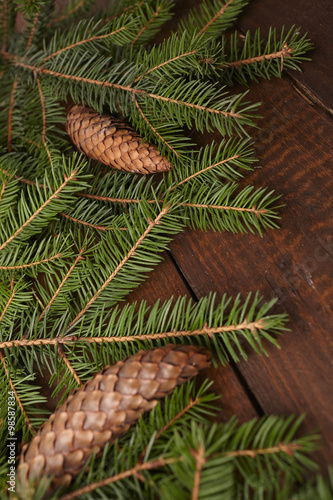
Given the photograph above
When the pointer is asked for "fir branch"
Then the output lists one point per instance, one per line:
(131, 252)
(154, 464)
(69, 272)
(281, 447)
(10, 300)
(91, 39)
(280, 54)
(215, 17)
(200, 460)
(32, 32)
(154, 129)
(44, 119)
(93, 226)
(10, 114)
(31, 264)
(63, 17)
(62, 354)
(146, 26)
(164, 63)
(19, 402)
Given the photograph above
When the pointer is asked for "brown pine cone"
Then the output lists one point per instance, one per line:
(113, 142)
(104, 409)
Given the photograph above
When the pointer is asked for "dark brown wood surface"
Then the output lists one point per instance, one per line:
(294, 147)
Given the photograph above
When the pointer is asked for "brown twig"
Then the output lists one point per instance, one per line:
(285, 52)
(130, 8)
(132, 338)
(81, 42)
(44, 118)
(10, 300)
(200, 461)
(204, 170)
(31, 264)
(69, 272)
(154, 129)
(131, 252)
(19, 402)
(146, 26)
(3, 187)
(164, 63)
(213, 19)
(10, 115)
(171, 422)
(32, 32)
(62, 354)
(155, 464)
(35, 214)
(99, 228)
(64, 16)
(286, 448)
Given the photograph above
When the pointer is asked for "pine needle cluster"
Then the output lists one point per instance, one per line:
(75, 239)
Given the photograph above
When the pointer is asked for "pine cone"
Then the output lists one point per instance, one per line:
(112, 142)
(104, 409)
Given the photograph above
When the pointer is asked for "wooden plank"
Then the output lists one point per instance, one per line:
(293, 263)
(164, 282)
(316, 18)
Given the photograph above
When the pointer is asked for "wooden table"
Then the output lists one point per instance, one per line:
(294, 147)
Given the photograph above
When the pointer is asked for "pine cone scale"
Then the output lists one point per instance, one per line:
(112, 142)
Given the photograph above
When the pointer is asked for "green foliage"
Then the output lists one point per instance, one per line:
(76, 238)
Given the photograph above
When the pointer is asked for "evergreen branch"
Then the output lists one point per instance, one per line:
(178, 416)
(215, 17)
(176, 58)
(31, 264)
(146, 26)
(66, 15)
(44, 118)
(91, 39)
(128, 9)
(32, 32)
(281, 447)
(205, 169)
(154, 129)
(200, 460)
(10, 115)
(10, 300)
(154, 464)
(3, 187)
(121, 264)
(225, 207)
(69, 272)
(122, 201)
(94, 226)
(5, 24)
(280, 54)
(19, 402)
(40, 209)
(62, 354)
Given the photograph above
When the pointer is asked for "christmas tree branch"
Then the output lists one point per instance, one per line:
(93, 226)
(19, 402)
(215, 17)
(31, 264)
(253, 453)
(66, 15)
(32, 32)
(131, 252)
(3, 187)
(91, 39)
(280, 54)
(44, 119)
(154, 464)
(40, 209)
(69, 272)
(146, 26)
(11, 298)
(180, 56)
(62, 354)
(187, 408)
(154, 129)
(10, 115)
(205, 169)
(200, 460)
